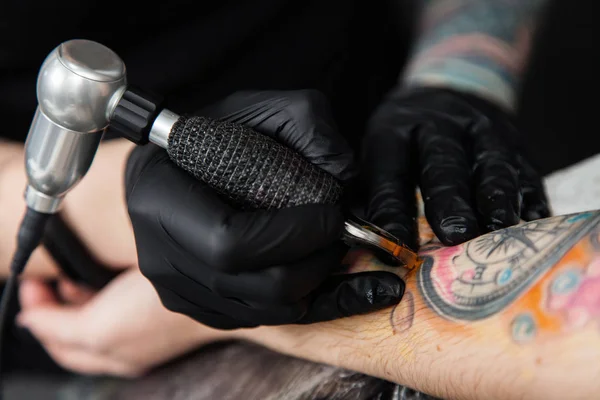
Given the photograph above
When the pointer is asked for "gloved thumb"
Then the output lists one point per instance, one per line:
(354, 294)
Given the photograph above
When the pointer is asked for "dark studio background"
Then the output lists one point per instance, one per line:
(354, 57)
(560, 99)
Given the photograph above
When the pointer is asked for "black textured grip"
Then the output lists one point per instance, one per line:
(251, 169)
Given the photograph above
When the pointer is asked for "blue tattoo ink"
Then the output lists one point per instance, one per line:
(504, 276)
(580, 217)
(523, 328)
(565, 282)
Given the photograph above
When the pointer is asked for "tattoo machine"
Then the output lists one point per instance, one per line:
(82, 89)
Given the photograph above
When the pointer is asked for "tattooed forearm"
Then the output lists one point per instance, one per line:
(478, 46)
(514, 313)
(543, 275)
(490, 272)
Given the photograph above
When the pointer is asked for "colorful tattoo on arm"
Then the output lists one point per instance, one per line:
(538, 279)
(488, 273)
(541, 277)
(478, 46)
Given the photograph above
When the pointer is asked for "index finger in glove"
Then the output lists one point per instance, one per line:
(389, 179)
(176, 303)
(496, 178)
(445, 182)
(302, 120)
(535, 202)
(282, 284)
(211, 309)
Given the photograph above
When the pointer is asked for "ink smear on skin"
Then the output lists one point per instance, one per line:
(403, 314)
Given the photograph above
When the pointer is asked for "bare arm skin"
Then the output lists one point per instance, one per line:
(511, 314)
(478, 46)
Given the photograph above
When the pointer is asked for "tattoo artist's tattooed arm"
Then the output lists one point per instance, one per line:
(478, 46)
(512, 314)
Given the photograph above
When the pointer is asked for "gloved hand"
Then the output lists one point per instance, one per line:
(230, 269)
(462, 152)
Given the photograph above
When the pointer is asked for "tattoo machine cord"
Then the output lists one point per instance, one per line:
(29, 237)
(67, 250)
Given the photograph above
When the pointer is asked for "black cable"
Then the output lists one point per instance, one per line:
(29, 237)
(73, 257)
(7, 296)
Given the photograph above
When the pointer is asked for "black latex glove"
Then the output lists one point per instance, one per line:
(463, 153)
(229, 269)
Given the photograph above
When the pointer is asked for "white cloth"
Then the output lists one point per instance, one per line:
(576, 188)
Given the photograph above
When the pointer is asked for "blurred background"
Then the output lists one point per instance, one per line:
(561, 95)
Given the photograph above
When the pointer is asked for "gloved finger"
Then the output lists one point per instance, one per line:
(269, 314)
(445, 183)
(353, 294)
(390, 182)
(535, 202)
(496, 180)
(235, 314)
(286, 284)
(300, 119)
(176, 303)
(392, 207)
(138, 160)
(195, 300)
(196, 220)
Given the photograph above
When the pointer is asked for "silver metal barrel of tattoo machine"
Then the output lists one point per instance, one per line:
(78, 86)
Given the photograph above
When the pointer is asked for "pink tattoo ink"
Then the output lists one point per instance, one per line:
(575, 294)
(444, 274)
